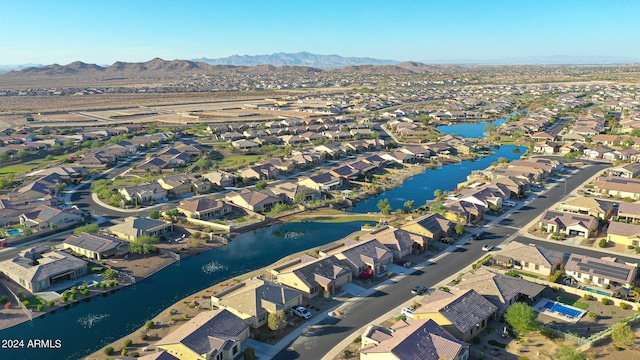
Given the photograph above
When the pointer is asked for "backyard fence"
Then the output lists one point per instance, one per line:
(481, 354)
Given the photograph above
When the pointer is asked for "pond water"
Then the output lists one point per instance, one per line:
(469, 130)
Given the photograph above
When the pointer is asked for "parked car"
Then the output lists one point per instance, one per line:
(419, 290)
(509, 203)
(408, 312)
(302, 312)
(487, 247)
(476, 236)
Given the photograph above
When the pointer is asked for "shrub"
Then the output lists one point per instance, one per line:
(625, 306)
(127, 343)
(249, 353)
(40, 307)
(604, 301)
(26, 303)
(150, 324)
(549, 334)
(4, 299)
(123, 352)
(602, 243)
(108, 350)
(358, 340)
(348, 353)
(73, 295)
(134, 354)
(554, 278)
(593, 315)
(586, 297)
(50, 303)
(144, 337)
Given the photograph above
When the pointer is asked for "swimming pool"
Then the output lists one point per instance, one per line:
(562, 309)
(596, 291)
(14, 232)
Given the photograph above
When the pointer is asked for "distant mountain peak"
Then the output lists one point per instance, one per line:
(303, 58)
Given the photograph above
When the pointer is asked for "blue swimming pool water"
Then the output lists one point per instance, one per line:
(14, 232)
(565, 310)
(596, 291)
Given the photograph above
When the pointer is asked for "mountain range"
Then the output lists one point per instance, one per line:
(296, 59)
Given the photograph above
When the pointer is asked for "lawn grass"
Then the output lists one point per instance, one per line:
(36, 300)
(577, 304)
(516, 272)
(29, 165)
(238, 160)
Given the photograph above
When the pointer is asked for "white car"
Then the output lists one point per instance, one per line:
(408, 312)
(302, 312)
(487, 248)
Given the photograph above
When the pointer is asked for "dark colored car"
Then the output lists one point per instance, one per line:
(419, 290)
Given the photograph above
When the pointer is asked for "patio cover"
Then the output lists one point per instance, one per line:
(532, 290)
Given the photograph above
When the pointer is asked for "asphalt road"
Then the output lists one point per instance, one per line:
(331, 331)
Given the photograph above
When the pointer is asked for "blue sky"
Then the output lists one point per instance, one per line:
(102, 32)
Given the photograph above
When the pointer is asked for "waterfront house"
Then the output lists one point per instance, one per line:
(39, 268)
(530, 258)
(624, 234)
(411, 340)
(95, 246)
(463, 313)
(619, 187)
(588, 206)
(204, 208)
(365, 258)
(216, 334)
(400, 242)
(313, 277)
(605, 272)
(254, 299)
(323, 182)
(501, 290)
(572, 224)
(294, 193)
(432, 226)
(258, 201)
(133, 227)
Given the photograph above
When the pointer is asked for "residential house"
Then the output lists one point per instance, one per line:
(245, 145)
(365, 258)
(605, 272)
(628, 212)
(628, 171)
(325, 276)
(463, 313)
(45, 216)
(184, 183)
(133, 227)
(143, 193)
(624, 234)
(204, 208)
(619, 187)
(220, 178)
(608, 140)
(294, 193)
(501, 290)
(588, 206)
(209, 335)
(322, 182)
(399, 157)
(598, 152)
(254, 299)
(258, 201)
(545, 147)
(432, 226)
(411, 340)
(39, 268)
(569, 223)
(529, 258)
(95, 246)
(260, 172)
(400, 242)
(32, 191)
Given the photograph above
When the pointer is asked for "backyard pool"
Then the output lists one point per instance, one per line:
(559, 311)
(596, 291)
(14, 232)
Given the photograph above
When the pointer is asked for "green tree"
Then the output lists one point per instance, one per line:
(144, 244)
(569, 353)
(437, 193)
(150, 324)
(299, 198)
(522, 318)
(277, 320)
(438, 208)
(110, 274)
(408, 205)
(249, 353)
(384, 206)
(459, 229)
(154, 214)
(172, 213)
(622, 334)
(90, 229)
(203, 164)
(261, 185)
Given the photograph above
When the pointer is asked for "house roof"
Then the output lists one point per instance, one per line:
(608, 268)
(322, 271)
(208, 331)
(531, 253)
(496, 286)
(49, 264)
(415, 340)
(433, 222)
(625, 208)
(592, 204)
(137, 226)
(463, 308)
(93, 242)
(617, 183)
(623, 229)
(365, 252)
(254, 296)
(567, 219)
(396, 239)
(201, 204)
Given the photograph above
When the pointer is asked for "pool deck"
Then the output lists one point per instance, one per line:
(539, 307)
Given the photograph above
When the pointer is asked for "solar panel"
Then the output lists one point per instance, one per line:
(606, 270)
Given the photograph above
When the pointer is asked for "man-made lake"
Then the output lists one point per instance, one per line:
(469, 130)
(420, 188)
(88, 326)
